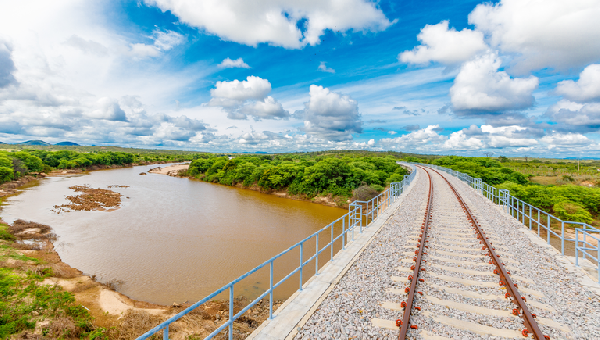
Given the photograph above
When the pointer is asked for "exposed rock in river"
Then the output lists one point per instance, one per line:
(90, 199)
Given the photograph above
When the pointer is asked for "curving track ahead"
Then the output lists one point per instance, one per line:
(459, 229)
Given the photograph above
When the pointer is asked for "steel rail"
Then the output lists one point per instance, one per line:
(531, 325)
(405, 322)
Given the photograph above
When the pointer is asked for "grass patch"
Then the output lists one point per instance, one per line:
(24, 301)
(4, 234)
(545, 180)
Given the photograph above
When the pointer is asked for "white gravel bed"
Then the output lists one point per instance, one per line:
(348, 309)
(576, 307)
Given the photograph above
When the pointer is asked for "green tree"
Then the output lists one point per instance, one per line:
(6, 174)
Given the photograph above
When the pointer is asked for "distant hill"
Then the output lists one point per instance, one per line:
(35, 142)
(581, 158)
(67, 144)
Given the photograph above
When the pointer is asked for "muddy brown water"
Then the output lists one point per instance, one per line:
(176, 239)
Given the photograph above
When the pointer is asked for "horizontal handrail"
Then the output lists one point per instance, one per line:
(354, 217)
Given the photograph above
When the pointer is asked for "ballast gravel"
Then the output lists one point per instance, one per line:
(348, 309)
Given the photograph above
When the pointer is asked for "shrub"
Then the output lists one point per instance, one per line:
(568, 178)
(571, 211)
(377, 187)
(4, 234)
(365, 193)
(6, 174)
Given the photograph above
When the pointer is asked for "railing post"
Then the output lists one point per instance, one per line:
(361, 217)
(548, 230)
(166, 333)
(538, 224)
(530, 216)
(301, 262)
(512, 206)
(562, 237)
(231, 312)
(332, 242)
(317, 255)
(598, 258)
(271, 292)
(351, 225)
(343, 234)
(577, 247)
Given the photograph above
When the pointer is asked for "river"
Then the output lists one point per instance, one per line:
(173, 239)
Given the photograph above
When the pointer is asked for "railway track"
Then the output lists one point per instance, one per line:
(451, 254)
(430, 271)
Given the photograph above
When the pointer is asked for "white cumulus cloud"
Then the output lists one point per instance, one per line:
(276, 21)
(444, 45)
(587, 88)
(323, 67)
(268, 108)
(460, 141)
(247, 98)
(577, 116)
(566, 139)
(480, 86)
(238, 63)
(329, 115)
(251, 88)
(421, 140)
(545, 33)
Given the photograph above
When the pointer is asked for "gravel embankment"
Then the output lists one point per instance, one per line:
(348, 309)
(564, 308)
(575, 306)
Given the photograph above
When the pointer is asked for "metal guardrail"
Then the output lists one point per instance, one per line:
(361, 214)
(536, 218)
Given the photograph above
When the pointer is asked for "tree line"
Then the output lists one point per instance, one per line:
(20, 163)
(335, 174)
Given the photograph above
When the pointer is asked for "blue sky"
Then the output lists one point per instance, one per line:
(510, 77)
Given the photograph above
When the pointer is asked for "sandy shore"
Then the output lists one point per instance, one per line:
(171, 170)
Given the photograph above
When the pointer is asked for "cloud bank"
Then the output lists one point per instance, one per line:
(276, 22)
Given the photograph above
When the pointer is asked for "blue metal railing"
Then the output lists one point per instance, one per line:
(532, 216)
(360, 214)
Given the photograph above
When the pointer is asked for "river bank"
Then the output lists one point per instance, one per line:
(10, 188)
(180, 170)
(114, 314)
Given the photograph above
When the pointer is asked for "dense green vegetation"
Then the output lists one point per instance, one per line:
(489, 170)
(309, 174)
(16, 163)
(568, 202)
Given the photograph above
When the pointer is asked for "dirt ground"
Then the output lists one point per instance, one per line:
(10, 188)
(171, 170)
